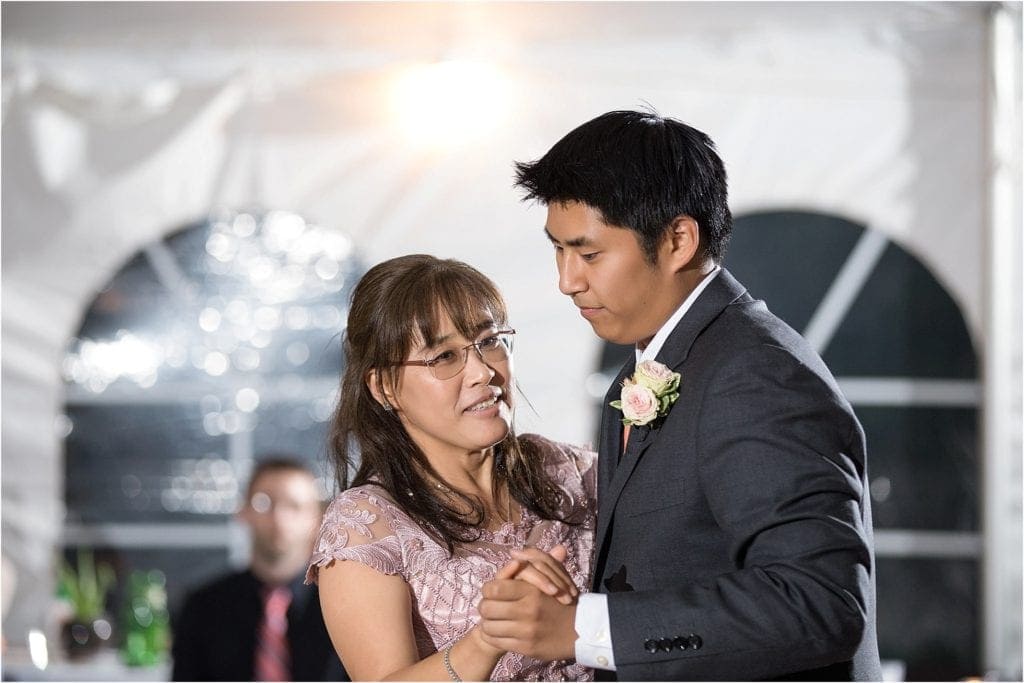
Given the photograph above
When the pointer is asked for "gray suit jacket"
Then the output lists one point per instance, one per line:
(734, 536)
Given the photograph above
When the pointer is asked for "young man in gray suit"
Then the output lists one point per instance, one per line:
(734, 533)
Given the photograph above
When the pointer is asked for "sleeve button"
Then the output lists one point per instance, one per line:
(680, 643)
(602, 660)
(695, 641)
(651, 646)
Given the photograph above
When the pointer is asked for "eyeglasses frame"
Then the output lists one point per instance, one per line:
(465, 349)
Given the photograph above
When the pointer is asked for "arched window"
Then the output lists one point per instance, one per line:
(901, 352)
(207, 349)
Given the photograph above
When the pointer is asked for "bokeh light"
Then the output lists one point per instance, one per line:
(449, 102)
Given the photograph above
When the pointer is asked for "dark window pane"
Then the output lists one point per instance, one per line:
(922, 467)
(126, 302)
(299, 429)
(790, 259)
(141, 463)
(903, 324)
(928, 617)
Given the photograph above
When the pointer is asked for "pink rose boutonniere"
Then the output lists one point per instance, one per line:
(648, 394)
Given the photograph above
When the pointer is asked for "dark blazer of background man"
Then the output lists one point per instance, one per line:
(216, 631)
(734, 535)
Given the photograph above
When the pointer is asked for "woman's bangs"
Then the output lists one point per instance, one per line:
(466, 303)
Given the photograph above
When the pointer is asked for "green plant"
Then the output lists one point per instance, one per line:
(86, 587)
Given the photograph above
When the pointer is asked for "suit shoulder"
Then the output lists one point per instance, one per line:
(751, 328)
(750, 338)
(225, 587)
(752, 322)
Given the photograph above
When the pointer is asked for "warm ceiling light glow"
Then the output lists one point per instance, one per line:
(449, 102)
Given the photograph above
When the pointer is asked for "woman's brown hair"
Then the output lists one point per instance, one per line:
(397, 303)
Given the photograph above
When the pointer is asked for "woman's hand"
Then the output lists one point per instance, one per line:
(544, 571)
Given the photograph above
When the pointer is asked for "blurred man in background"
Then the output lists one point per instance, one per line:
(263, 624)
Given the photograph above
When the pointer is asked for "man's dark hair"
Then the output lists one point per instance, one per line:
(278, 462)
(640, 171)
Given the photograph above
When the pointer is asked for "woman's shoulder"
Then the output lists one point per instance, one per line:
(364, 524)
(557, 448)
(570, 467)
(363, 503)
(558, 455)
(370, 491)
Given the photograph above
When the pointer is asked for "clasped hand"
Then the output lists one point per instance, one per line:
(530, 606)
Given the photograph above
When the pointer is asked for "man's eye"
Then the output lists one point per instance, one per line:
(589, 257)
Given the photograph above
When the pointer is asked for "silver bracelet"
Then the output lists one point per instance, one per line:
(447, 659)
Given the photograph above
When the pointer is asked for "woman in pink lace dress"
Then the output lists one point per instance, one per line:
(445, 495)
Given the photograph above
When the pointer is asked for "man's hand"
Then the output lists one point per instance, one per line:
(516, 616)
(545, 570)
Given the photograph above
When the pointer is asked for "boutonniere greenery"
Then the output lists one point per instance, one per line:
(648, 394)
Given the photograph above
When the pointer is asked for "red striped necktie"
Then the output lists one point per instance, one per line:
(273, 659)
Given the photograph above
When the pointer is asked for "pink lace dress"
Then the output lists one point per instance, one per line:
(363, 524)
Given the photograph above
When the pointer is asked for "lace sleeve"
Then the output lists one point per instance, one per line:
(358, 525)
(586, 464)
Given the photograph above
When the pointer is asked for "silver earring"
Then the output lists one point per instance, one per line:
(388, 407)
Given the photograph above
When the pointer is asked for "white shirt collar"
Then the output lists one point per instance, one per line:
(662, 334)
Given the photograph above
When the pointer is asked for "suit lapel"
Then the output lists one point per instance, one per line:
(640, 439)
(611, 431)
(720, 293)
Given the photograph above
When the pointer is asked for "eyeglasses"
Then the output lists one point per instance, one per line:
(494, 348)
(263, 504)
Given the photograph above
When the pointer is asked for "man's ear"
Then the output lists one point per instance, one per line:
(683, 243)
(375, 382)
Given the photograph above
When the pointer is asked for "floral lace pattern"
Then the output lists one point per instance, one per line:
(364, 524)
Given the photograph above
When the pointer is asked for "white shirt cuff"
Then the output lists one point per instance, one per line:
(594, 641)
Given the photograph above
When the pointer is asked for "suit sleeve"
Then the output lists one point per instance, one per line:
(781, 466)
(187, 644)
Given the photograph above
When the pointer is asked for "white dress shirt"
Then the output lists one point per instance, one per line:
(593, 628)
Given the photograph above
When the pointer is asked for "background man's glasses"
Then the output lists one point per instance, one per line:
(263, 504)
(494, 348)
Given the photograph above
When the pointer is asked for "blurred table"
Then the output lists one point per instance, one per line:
(105, 665)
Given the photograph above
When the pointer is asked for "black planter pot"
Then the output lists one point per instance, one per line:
(83, 639)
